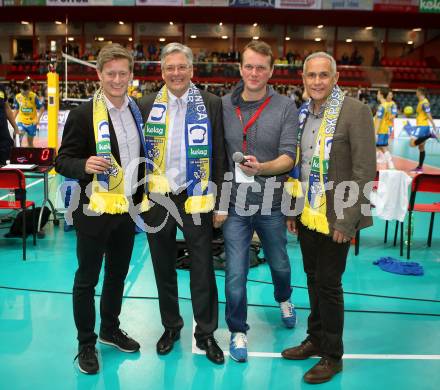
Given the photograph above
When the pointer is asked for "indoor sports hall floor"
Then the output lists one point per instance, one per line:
(392, 330)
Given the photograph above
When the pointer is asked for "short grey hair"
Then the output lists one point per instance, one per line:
(321, 54)
(175, 47)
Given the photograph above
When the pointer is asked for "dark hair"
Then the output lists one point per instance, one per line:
(26, 85)
(385, 92)
(421, 90)
(261, 48)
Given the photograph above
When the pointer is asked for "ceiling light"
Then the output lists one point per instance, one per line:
(161, 39)
(410, 42)
(58, 22)
(171, 23)
(70, 39)
(224, 37)
(121, 22)
(130, 39)
(287, 38)
(255, 24)
(321, 26)
(24, 22)
(417, 29)
(318, 39)
(193, 36)
(349, 40)
(369, 28)
(255, 38)
(220, 24)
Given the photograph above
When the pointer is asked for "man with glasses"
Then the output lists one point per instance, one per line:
(337, 159)
(185, 157)
(260, 134)
(100, 139)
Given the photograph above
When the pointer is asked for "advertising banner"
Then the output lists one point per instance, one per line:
(94, 3)
(206, 3)
(299, 4)
(396, 5)
(9, 3)
(431, 6)
(361, 5)
(252, 3)
(172, 3)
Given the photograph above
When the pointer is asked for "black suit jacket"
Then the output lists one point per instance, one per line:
(215, 114)
(77, 145)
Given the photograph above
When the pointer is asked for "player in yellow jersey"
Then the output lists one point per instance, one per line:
(422, 132)
(28, 111)
(385, 115)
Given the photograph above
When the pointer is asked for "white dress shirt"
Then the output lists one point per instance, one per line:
(128, 141)
(176, 163)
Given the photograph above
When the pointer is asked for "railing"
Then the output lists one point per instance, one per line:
(228, 72)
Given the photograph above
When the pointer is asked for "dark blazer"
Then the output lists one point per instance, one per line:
(77, 145)
(215, 114)
(352, 159)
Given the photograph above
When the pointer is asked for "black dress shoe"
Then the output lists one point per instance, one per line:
(166, 342)
(213, 351)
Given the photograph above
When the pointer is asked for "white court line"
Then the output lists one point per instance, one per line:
(28, 186)
(348, 356)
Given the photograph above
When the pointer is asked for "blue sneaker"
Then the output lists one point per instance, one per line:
(238, 347)
(67, 227)
(288, 314)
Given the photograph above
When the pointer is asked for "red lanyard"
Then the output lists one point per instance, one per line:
(251, 120)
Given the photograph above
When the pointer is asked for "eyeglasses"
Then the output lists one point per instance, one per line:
(258, 68)
(172, 68)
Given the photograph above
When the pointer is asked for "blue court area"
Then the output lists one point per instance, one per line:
(392, 329)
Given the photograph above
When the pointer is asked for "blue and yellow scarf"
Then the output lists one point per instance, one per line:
(198, 146)
(108, 195)
(314, 214)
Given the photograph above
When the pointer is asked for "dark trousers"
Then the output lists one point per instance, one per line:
(324, 263)
(163, 250)
(5, 152)
(116, 243)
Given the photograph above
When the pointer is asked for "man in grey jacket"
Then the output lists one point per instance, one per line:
(260, 131)
(337, 165)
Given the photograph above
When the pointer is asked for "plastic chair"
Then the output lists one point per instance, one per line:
(14, 180)
(422, 183)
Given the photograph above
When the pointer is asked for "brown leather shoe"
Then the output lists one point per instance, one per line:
(300, 352)
(323, 371)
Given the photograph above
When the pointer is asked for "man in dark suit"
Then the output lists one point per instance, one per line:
(100, 139)
(185, 145)
(337, 160)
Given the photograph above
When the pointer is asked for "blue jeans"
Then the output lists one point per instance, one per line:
(237, 232)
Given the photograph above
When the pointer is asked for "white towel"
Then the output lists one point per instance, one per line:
(392, 195)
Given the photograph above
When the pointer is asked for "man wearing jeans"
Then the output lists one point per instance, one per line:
(261, 125)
